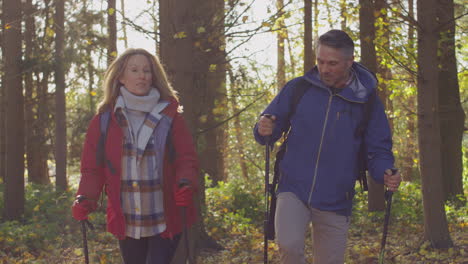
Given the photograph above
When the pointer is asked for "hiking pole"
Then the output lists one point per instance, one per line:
(186, 241)
(388, 199)
(184, 223)
(84, 222)
(267, 183)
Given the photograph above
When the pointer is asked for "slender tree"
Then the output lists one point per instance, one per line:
(343, 14)
(235, 86)
(89, 61)
(383, 39)
(60, 106)
(2, 111)
(410, 142)
(292, 60)
(280, 37)
(452, 116)
(435, 220)
(124, 25)
(315, 34)
(112, 30)
(375, 197)
(14, 177)
(309, 58)
(36, 160)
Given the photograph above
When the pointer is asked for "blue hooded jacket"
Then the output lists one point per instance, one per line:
(320, 165)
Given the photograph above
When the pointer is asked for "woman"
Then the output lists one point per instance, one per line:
(149, 166)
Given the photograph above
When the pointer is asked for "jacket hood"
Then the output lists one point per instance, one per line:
(359, 89)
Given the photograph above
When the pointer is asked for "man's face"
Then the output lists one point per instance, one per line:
(333, 66)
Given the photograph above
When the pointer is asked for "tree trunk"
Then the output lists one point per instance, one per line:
(410, 147)
(309, 59)
(155, 29)
(383, 36)
(14, 178)
(375, 198)
(124, 25)
(240, 144)
(343, 14)
(91, 73)
(60, 106)
(315, 35)
(329, 14)
(292, 60)
(435, 221)
(452, 116)
(112, 30)
(2, 114)
(281, 64)
(37, 163)
(192, 48)
(89, 63)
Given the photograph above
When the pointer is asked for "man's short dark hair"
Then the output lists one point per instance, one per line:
(338, 39)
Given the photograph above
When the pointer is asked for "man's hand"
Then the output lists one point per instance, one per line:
(392, 181)
(266, 125)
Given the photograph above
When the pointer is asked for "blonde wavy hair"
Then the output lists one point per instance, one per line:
(111, 84)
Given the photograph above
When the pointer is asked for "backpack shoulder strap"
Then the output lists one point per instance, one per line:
(298, 91)
(171, 151)
(368, 106)
(360, 132)
(101, 160)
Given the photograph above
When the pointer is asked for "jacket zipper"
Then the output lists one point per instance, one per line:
(320, 150)
(321, 142)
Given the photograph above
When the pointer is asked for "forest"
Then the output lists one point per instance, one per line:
(227, 59)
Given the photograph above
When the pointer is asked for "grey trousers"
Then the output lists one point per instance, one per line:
(329, 232)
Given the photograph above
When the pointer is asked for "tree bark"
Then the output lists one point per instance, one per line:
(292, 60)
(375, 195)
(60, 106)
(315, 35)
(14, 178)
(192, 48)
(36, 160)
(309, 58)
(383, 36)
(240, 144)
(112, 30)
(280, 64)
(410, 146)
(452, 116)
(435, 221)
(343, 14)
(2, 112)
(124, 25)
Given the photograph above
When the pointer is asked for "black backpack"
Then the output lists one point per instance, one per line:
(298, 91)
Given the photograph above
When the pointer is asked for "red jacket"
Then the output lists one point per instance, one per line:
(94, 177)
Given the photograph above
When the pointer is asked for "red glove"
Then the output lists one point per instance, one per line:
(166, 234)
(183, 196)
(81, 210)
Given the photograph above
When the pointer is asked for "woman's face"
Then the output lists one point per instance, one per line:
(137, 77)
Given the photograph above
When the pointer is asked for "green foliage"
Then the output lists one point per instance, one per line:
(47, 214)
(405, 240)
(235, 206)
(48, 234)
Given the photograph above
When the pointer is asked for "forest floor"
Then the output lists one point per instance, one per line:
(49, 235)
(405, 244)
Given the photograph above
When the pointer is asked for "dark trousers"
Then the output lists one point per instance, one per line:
(148, 250)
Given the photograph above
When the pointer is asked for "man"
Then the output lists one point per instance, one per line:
(320, 166)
